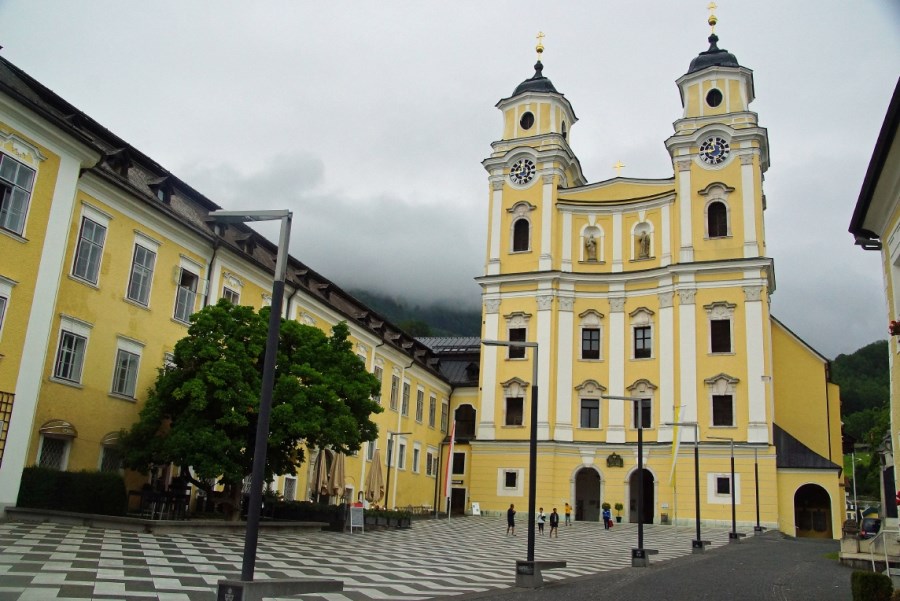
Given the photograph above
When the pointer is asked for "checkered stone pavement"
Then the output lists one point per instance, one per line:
(436, 558)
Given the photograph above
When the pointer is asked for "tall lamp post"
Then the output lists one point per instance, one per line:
(532, 446)
(639, 556)
(392, 436)
(698, 545)
(758, 529)
(268, 379)
(733, 536)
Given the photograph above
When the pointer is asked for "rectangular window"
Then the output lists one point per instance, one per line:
(390, 450)
(417, 452)
(379, 375)
(445, 416)
(516, 335)
(431, 466)
(110, 460)
(126, 371)
(395, 390)
(420, 405)
(89, 251)
(459, 463)
(643, 342)
(510, 479)
(590, 413)
(70, 356)
(723, 410)
(3, 302)
(723, 485)
(53, 453)
(232, 296)
(370, 450)
(404, 405)
(290, 489)
(16, 181)
(186, 296)
(590, 343)
(432, 403)
(720, 335)
(142, 263)
(401, 455)
(645, 406)
(514, 411)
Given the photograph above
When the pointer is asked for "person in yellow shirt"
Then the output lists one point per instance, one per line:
(568, 514)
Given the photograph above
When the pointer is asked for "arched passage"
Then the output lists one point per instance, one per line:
(587, 495)
(812, 512)
(649, 501)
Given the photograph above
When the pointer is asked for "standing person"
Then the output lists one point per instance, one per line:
(568, 515)
(607, 517)
(511, 520)
(554, 524)
(541, 518)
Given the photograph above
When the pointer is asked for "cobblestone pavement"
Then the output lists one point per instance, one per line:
(436, 558)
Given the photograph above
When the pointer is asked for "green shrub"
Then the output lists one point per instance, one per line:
(871, 586)
(81, 492)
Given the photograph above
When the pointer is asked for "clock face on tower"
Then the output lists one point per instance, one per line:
(522, 171)
(714, 150)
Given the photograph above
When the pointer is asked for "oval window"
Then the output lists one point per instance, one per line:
(714, 97)
(527, 120)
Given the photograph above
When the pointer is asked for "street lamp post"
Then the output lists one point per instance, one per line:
(733, 536)
(698, 545)
(268, 380)
(639, 556)
(856, 514)
(392, 436)
(532, 446)
(758, 529)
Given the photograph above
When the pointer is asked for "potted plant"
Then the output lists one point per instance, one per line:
(619, 507)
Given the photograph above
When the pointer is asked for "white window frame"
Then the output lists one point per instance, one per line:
(417, 457)
(642, 317)
(590, 320)
(395, 390)
(445, 416)
(109, 448)
(231, 295)
(401, 453)
(18, 187)
(722, 385)
(370, 450)
(71, 327)
(404, 398)
(151, 247)
(420, 404)
(720, 311)
(581, 425)
(505, 491)
(521, 211)
(91, 248)
(432, 410)
(645, 390)
(293, 495)
(6, 286)
(64, 459)
(183, 293)
(431, 462)
(130, 351)
(517, 321)
(713, 497)
(378, 372)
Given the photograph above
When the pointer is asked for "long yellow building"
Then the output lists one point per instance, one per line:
(649, 289)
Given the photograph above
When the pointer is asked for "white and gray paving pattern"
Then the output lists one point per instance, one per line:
(435, 558)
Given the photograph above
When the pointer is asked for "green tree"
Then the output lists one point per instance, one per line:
(203, 411)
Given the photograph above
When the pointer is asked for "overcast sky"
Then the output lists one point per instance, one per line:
(370, 119)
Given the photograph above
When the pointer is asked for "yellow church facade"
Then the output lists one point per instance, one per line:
(656, 291)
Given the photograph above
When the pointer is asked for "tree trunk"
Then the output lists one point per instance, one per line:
(233, 493)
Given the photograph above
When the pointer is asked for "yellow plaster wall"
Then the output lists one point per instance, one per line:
(789, 481)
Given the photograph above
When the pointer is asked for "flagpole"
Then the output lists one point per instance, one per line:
(448, 469)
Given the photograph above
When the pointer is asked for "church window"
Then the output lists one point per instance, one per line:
(590, 413)
(720, 335)
(723, 485)
(521, 235)
(643, 342)
(714, 97)
(16, 181)
(517, 335)
(717, 220)
(459, 463)
(515, 411)
(722, 410)
(565, 131)
(527, 120)
(590, 343)
(89, 250)
(510, 479)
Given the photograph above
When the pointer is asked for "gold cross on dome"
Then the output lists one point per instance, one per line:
(712, 16)
(540, 44)
(618, 167)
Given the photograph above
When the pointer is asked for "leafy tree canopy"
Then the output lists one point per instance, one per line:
(864, 378)
(203, 411)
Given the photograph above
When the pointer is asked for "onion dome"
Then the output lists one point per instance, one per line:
(537, 83)
(714, 57)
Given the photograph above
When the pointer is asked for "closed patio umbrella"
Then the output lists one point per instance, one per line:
(320, 481)
(374, 479)
(336, 480)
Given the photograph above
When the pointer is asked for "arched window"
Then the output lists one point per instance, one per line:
(521, 235)
(717, 220)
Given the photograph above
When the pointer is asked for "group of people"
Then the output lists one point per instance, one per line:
(541, 520)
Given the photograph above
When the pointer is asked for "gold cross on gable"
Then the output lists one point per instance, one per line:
(618, 167)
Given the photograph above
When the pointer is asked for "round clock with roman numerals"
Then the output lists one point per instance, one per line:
(522, 171)
(714, 150)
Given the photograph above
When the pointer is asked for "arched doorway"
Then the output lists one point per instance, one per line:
(812, 512)
(587, 495)
(649, 501)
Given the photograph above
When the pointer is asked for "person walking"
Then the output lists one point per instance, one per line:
(541, 518)
(511, 520)
(554, 524)
(607, 516)
(568, 515)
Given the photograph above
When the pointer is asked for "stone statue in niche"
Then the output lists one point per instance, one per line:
(590, 248)
(643, 245)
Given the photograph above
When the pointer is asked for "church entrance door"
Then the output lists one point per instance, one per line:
(587, 495)
(649, 501)
(812, 512)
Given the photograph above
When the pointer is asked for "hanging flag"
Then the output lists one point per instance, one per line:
(676, 443)
(449, 461)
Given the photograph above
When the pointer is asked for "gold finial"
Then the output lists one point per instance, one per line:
(712, 17)
(618, 167)
(540, 44)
